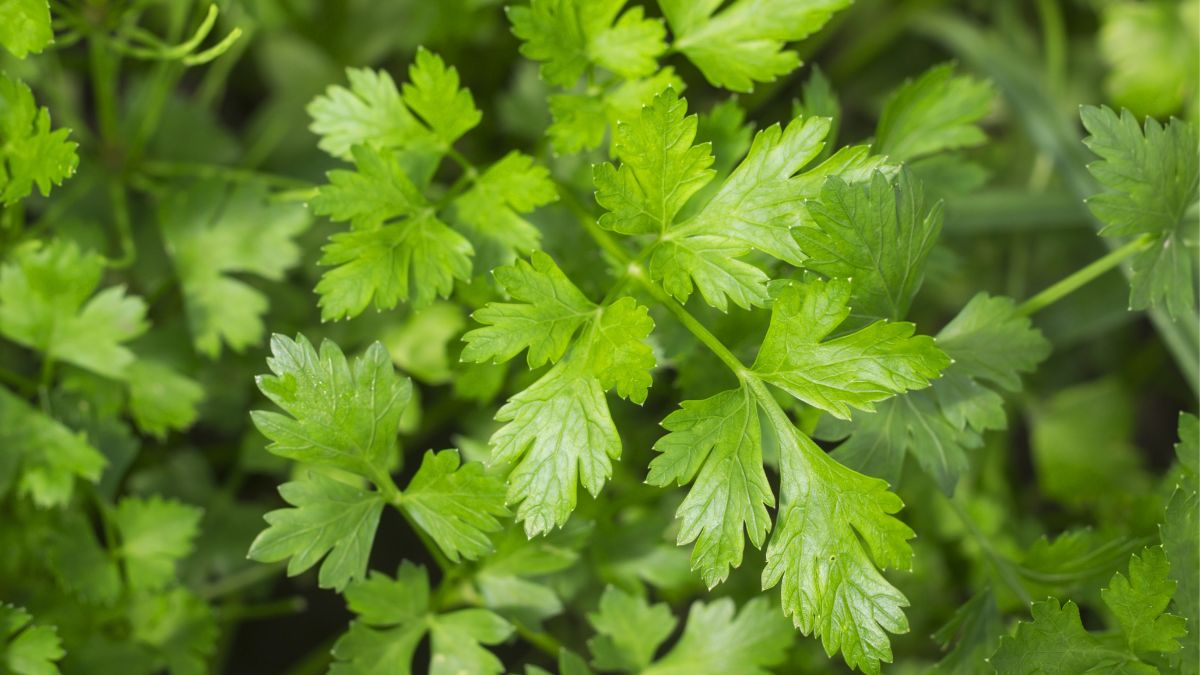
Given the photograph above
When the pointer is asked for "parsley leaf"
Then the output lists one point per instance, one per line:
(581, 120)
(46, 303)
(877, 234)
(717, 444)
(1055, 641)
(341, 415)
(156, 534)
(26, 26)
(161, 399)
(330, 517)
(933, 113)
(30, 153)
(720, 639)
(854, 370)
(569, 35)
(456, 505)
(490, 211)
(743, 42)
(1180, 533)
(1152, 178)
(433, 93)
(1139, 603)
(27, 648)
(214, 231)
(393, 616)
(1148, 49)
(629, 630)
(41, 455)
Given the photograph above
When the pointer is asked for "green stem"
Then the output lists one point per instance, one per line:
(266, 610)
(227, 173)
(239, 580)
(1054, 41)
(1002, 566)
(1081, 277)
(545, 642)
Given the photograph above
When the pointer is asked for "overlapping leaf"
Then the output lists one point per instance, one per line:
(30, 152)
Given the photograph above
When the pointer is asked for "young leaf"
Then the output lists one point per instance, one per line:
(214, 231)
(30, 153)
(457, 506)
(378, 190)
(716, 443)
(855, 370)
(1152, 178)
(743, 43)
(581, 120)
(835, 528)
(27, 648)
(370, 111)
(341, 415)
(569, 35)
(716, 641)
(330, 517)
(433, 93)
(491, 210)
(938, 111)
(45, 455)
(155, 535)
(45, 305)
(877, 234)
(629, 630)
(1140, 601)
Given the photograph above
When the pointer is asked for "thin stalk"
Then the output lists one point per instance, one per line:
(1081, 277)
(239, 581)
(265, 610)
(1004, 567)
(545, 642)
(228, 173)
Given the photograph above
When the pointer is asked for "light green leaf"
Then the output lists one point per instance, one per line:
(457, 506)
(433, 93)
(854, 370)
(877, 234)
(180, 626)
(1148, 47)
(26, 27)
(329, 517)
(491, 210)
(834, 531)
(378, 191)
(340, 415)
(568, 35)
(710, 264)
(617, 354)
(45, 305)
(550, 311)
(1140, 603)
(716, 641)
(717, 444)
(370, 111)
(30, 153)
(214, 231)
(660, 169)
(629, 630)
(45, 455)
(161, 399)
(581, 120)
(155, 535)
(936, 112)
(27, 648)
(743, 42)
(1152, 178)
(457, 639)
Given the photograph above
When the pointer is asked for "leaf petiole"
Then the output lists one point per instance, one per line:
(1081, 277)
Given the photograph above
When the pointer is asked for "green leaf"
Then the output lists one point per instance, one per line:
(155, 535)
(26, 26)
(1180, 533)
(1148, 48)
(581, 120)
(717, 444)
(330, 517)
(393, 617)
(716, 641)
(341, 416)
(378, 191)
(558, 432)
(743, 43)
(30, 153)
(991, 345)
(433, 93)
(629, 630)
(415, 259)
(974, 630)
(491, 210)
(568, 35)
(550, 312)
(855, 370)
(46, 303)
(161, 399)
(457, 506)
(370, 111)
(214, 231)
(709, 263)
(934, 113)
(660, 168)
(180, 626)
(27, 648)
(617, 354)
(1140, 603)
(879, 235)
(47, 456)
(1152, 178)
(1055, 642)
(834, 531)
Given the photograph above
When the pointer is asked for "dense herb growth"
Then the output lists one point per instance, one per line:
(665, 336)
